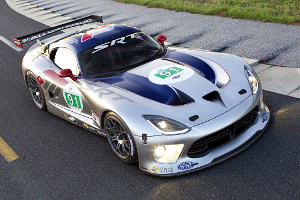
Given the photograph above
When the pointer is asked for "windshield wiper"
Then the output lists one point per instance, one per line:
(107, 74)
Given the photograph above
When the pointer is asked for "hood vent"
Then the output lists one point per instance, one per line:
(184, 98)
(214, 97)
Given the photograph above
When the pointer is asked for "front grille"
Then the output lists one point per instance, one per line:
(207, 144)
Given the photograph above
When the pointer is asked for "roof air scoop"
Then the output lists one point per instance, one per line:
(214, 97)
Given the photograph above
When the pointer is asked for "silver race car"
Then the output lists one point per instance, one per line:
(173, 110)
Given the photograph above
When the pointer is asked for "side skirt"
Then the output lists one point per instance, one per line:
(83, 121)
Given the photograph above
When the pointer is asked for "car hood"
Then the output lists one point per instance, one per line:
(176, 79)
(177, 86)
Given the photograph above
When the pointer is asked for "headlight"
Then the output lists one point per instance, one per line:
(166, 126)
(168, 153)
(252, 79)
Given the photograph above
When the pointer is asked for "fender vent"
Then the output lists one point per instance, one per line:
(214, 97)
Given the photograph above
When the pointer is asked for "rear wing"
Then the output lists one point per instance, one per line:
(33, 36)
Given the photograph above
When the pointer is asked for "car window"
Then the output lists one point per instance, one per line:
(65, 59)
(117, 55)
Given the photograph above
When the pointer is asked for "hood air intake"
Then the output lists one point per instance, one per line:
(214, 97)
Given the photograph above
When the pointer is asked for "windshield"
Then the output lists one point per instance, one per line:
(118, 55)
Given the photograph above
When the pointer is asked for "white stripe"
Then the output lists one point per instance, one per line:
(12, 45)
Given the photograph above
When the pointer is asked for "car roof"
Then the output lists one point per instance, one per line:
(84, 40)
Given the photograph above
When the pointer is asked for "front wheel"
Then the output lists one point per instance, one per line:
(120, 138)
(36, 91)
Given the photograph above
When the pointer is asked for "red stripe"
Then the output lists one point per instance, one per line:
(55, 78)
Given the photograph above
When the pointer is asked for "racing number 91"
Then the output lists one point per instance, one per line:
(168, 72)
(73, 100)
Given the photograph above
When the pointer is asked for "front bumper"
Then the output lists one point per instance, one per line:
(186, 164)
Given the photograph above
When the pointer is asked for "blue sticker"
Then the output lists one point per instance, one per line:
(186, 165)
(95, 118)
(265, 117)
(176, 77)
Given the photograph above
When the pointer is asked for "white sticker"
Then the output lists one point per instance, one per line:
(73, 98)
(169, 74)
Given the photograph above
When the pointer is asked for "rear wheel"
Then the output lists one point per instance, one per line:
(120, 138)
(36, 91)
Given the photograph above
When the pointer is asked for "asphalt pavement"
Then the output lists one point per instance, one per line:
(58, 160)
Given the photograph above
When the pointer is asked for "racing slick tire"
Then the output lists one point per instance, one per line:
(120, 138)
(36, 91)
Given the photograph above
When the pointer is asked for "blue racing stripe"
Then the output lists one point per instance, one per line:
(144, 87)
(196, 63)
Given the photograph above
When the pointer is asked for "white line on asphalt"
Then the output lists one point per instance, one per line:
(12, 45)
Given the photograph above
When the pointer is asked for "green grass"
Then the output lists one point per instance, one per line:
(282, 11)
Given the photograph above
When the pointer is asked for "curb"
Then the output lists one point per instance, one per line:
(281, 80)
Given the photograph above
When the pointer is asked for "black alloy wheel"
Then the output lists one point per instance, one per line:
(120, 138)
(36, 91)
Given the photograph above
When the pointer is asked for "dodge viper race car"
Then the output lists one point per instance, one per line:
(172, 110)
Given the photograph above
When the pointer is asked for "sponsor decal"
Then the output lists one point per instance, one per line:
(131, 146)
(267, 109)
(86, 125)
(166, 169)
(40, 80)
(96, 118)
(73, 100)
(186, 165)
(170, 74)
(153, 169)
(72, 41)
(176, 77)
(101, 92)
(90, 34)
(18, 43)
(73, 97)
(89, 127)
(120, 40)
(55, 30)
(35, 37)
(265, 116)
(86, 36)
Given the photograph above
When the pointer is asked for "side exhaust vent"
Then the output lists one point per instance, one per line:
(214, 97)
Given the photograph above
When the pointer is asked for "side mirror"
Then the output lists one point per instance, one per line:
(161, 39)
(66, 73)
